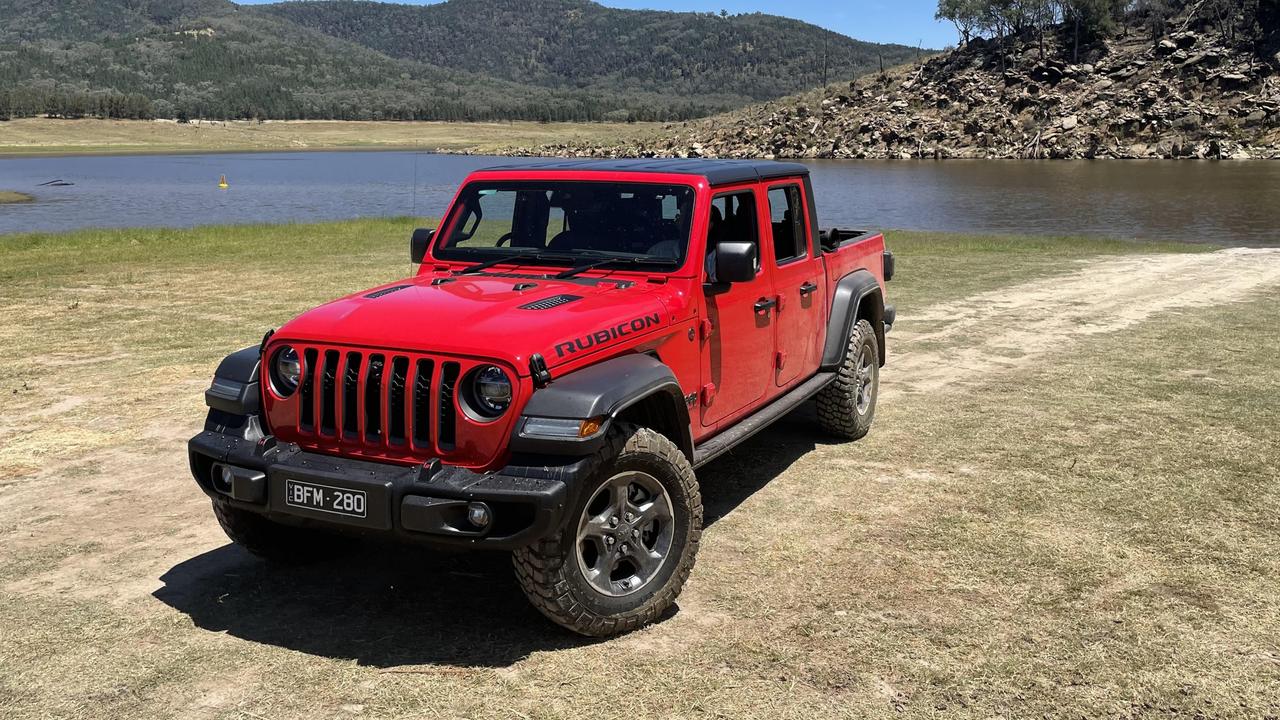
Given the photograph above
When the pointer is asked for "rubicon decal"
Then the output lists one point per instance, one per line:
(601, 337)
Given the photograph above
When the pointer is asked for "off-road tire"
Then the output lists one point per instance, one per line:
(269, 540)
(838, 403)
(548, 570)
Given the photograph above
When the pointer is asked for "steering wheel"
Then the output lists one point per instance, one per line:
(504, 239)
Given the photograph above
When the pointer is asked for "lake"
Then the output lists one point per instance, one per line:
(1226, 203)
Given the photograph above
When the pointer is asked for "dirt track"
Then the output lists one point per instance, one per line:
(968, 339)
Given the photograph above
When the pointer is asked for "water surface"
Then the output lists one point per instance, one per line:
(1225, 203)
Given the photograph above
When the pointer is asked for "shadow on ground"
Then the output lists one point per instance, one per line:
(386, 606)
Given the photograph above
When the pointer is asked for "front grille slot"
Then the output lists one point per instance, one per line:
(448, 409)
(422, 403)
(306, 417)
(328, 393)
(351, 397)
(373, 400)
(395, 400)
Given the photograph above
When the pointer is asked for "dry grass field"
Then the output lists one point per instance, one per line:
(42, 136)
(1068, 508)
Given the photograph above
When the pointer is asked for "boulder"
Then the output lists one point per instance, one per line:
(1233, 80)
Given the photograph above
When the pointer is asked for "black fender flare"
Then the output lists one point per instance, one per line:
(604, 390)
(234, 396)
(856, 295)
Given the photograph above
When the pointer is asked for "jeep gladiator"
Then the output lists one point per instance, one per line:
(578, 338)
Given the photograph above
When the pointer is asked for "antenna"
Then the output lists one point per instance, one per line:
(414, 211)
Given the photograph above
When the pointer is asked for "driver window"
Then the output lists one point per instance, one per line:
(490, 218)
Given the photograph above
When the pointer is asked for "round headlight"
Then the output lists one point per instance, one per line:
(491, 389)
(286, 369)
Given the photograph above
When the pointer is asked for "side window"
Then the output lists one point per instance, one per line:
(733, 219)
(786, 213)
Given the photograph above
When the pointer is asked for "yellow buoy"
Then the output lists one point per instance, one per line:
(222, 182)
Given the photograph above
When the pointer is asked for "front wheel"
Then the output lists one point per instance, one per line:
(847, 407)
(629, 544)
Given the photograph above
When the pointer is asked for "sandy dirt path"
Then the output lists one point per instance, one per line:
(967, 340)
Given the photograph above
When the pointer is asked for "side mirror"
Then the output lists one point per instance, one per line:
(736, 262)
(419, 244)
(829, 239)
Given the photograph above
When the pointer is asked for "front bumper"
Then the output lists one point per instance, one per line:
(413, 504)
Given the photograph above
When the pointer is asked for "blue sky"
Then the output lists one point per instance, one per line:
(909, 22)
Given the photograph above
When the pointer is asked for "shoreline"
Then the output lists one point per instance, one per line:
(128, 152)
(54, 137)
(123, 138)
(97, 151)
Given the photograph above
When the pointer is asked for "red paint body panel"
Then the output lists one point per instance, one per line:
(474, 320)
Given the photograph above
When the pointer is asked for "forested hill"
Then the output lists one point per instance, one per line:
(581, 44)
(461, 59)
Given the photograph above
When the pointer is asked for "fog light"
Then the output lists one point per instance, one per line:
(478, 515)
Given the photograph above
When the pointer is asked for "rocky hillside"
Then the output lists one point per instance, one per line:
(1190, 94)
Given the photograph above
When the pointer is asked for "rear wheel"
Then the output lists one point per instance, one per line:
(268, 540)
(847, 406)
(629, 544)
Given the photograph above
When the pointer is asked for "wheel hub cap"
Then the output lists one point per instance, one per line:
(625, 533)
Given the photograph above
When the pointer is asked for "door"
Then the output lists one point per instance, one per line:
(798, 282)
(737, 358)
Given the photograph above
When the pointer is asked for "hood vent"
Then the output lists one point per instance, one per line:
(550, 302)
(386, 291)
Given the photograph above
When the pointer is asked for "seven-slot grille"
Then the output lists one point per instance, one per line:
(378, 400)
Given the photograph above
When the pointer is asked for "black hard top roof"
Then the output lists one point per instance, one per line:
(717, 172)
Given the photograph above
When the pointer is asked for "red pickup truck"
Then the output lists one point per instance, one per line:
(580, 336)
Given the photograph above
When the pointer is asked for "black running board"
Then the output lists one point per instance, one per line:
(760, 419)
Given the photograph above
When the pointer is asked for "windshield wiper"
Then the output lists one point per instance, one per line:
(598, 261)
(496, 261)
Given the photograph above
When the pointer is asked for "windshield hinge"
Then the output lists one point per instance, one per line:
(538, 369)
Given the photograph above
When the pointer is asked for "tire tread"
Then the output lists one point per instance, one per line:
(541, 569)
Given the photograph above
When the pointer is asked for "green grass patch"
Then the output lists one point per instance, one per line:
(9, 197)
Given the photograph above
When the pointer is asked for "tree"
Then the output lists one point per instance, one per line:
(1090, 21)
(966, 15)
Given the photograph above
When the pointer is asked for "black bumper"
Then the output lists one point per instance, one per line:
(419, 504)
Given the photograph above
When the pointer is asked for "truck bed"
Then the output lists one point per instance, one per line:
(847, 250)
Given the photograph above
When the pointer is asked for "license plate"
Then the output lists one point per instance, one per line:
(325, 498)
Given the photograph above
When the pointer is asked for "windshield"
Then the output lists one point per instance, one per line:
(570, 223)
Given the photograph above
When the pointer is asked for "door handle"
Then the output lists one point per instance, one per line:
(807, 289)
(763, 305)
